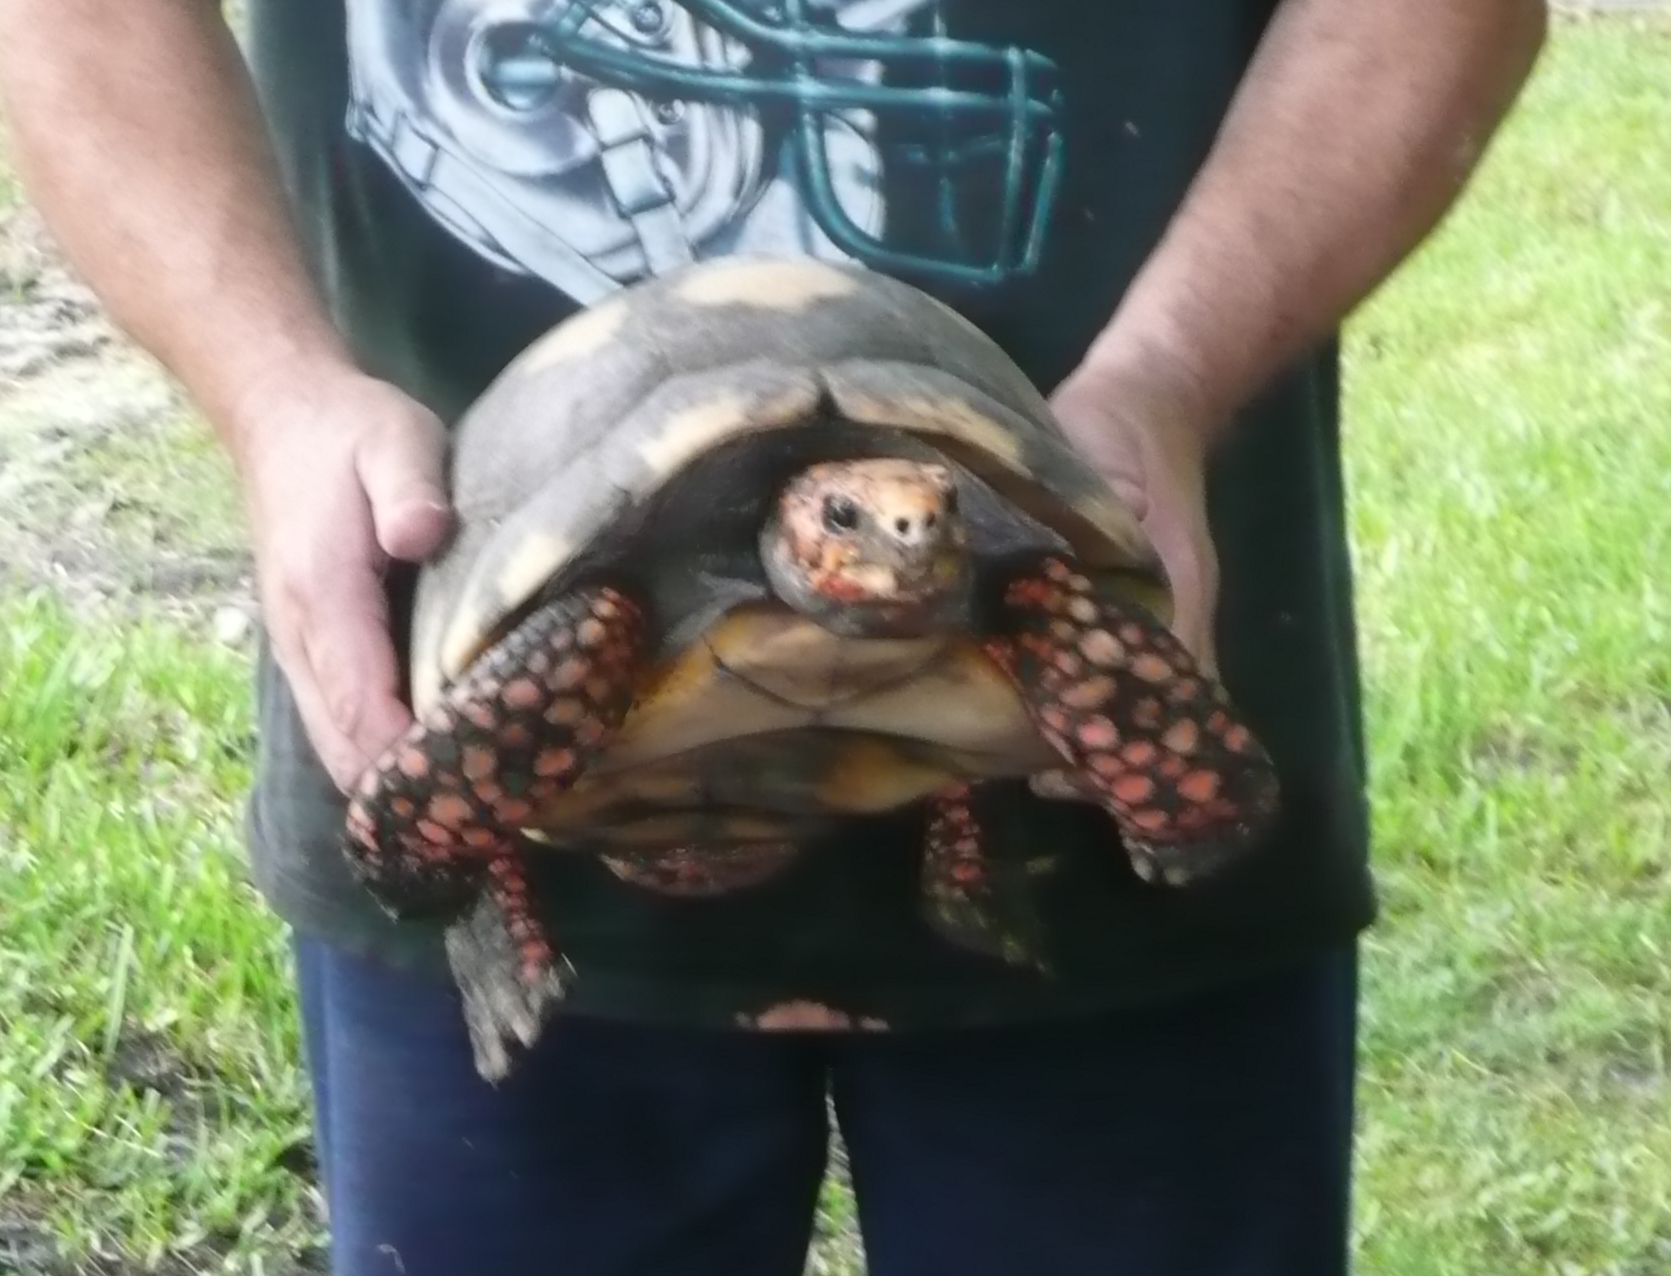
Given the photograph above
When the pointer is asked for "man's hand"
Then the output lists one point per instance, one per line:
(341, 475)
(1353, 132)
(1152, 450)
(137, 129)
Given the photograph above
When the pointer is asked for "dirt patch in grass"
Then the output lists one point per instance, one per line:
(111, 490)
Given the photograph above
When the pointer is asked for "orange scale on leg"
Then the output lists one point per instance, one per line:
(565, 712)
(1198, 787)
(1106, 765)
(480, 714)
(1151, 820)
(1056, 718)
(570, 673)
(434, 833)
(1182, 736)
(1131, 789)
(449, 810)
(1083, 610)
(1088, 694)
(1098, 733)
(1068, 663)
(555, 762)
(1140, 753)
(1102, 648)
(1152, 668)
(479, 763)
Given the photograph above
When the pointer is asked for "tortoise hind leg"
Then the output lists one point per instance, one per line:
(1144, 731)
(433, 829)
(971, 901)
(507, 972)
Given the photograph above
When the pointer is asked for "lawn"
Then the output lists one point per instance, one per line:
(1509, 450)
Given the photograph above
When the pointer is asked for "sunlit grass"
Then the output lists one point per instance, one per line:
(1509, 409)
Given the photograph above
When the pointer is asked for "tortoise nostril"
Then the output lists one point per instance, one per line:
(930, 521)
(902, 525)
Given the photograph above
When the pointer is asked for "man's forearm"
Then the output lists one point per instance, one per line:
(141, 143)
(1354, 131)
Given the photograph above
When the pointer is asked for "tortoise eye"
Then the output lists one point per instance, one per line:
(840, 513)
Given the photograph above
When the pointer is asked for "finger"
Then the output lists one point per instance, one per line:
(347, 644)
(333, 748)
(401, 465)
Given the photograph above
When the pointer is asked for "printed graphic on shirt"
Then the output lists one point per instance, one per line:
(590, 143)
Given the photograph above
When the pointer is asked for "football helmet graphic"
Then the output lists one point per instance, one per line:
(593, 142)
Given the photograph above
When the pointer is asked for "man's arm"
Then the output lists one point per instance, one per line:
(1352, 134)
(141, 143)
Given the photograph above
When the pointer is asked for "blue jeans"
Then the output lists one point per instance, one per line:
(1202, 1137)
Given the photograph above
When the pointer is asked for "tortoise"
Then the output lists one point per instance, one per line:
(744, 552)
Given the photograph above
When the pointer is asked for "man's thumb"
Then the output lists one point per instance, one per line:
(402, 467)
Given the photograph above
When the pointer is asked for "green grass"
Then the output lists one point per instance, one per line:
(148, 1088)
(1510, 460)
(1509, 449)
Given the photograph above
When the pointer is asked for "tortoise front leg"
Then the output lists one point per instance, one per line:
(1142, 728)
(433, 829)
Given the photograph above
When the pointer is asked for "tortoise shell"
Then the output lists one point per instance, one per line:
(642, 442)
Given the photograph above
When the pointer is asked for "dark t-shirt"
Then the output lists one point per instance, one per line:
(465, 177)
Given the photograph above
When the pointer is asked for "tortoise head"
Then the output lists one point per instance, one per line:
(875, 547)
